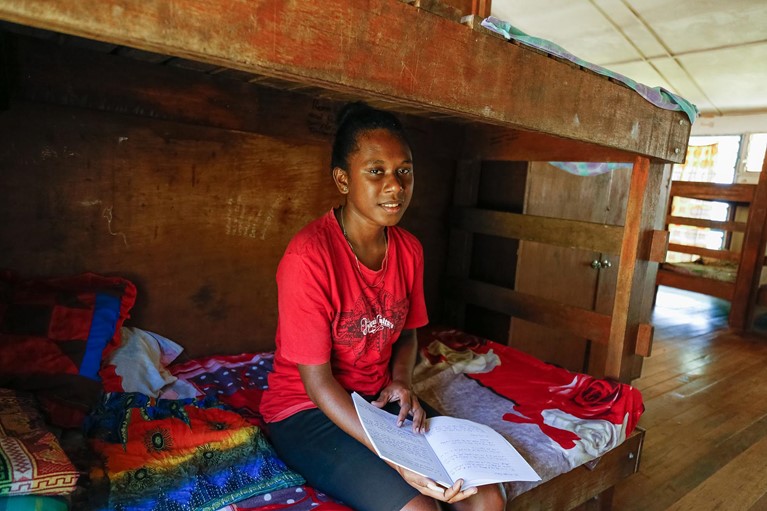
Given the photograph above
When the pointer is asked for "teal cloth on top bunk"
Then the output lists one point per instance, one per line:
(588, 168)
(658, 96)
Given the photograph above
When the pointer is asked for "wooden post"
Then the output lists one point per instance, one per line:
(636, 275)
(751, 259)
(481, 8)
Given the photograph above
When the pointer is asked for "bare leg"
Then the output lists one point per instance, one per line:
(490, 497)
(422, 503)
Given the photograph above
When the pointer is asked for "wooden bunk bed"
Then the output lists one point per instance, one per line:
(145, 145)
(732, 275)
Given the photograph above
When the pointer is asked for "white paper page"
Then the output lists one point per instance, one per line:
(399, 444)
(476, 453)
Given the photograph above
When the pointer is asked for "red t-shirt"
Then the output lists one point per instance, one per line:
(334, 309)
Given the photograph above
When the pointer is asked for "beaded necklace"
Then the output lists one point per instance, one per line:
(359, 270)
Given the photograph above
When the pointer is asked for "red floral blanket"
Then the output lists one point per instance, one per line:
(557, 419)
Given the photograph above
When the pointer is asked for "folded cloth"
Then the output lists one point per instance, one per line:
(31, 459)
(465, 361)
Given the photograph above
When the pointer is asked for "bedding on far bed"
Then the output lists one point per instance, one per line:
(725, 271)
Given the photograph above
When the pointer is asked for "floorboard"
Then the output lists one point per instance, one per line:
(705, 392)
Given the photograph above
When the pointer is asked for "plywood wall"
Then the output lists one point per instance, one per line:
(190, 185)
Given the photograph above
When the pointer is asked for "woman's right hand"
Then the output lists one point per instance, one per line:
(431, 489)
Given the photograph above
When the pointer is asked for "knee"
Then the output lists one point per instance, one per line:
(495, 498)
(489, 498)
(422, 503)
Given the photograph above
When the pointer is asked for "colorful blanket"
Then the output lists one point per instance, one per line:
(556, 419)
(209, 453)
(190, 454)
(238, 381)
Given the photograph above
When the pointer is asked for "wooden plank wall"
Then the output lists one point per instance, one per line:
(188, 184)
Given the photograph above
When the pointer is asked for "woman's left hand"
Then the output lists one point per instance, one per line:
(408, 404)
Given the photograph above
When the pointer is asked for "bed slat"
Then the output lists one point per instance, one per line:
(553, 231)
(582, 322)
(573, 488)
(713, 191)
(696, 284)
(711, 224)
(726, 255)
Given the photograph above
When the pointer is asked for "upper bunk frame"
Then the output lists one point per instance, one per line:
(387, 52)
(409, 60)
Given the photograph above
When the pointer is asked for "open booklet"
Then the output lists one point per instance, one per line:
(451, 449)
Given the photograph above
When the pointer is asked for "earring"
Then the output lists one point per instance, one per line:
(344, 189)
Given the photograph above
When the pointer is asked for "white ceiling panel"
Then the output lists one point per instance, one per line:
(553, 20)
(734, 79)
(682, 82)
(694, 25)
(638, 35)
(711, 52)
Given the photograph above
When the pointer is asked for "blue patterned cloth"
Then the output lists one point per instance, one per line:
(178, 455)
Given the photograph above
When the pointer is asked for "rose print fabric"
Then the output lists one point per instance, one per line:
(556, 419)
(539, 388)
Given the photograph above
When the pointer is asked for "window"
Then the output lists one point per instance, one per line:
(757, 144)
(709, 159)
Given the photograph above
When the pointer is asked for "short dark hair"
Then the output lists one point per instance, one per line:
(355, 119)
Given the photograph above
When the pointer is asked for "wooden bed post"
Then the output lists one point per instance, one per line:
(751, 259)
(636, 275)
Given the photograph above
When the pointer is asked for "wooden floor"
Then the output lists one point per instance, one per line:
(705, 393)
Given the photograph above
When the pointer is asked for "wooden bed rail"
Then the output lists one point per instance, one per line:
(726, 255)
(740, 192)
(553, 231)
(711, 287)
(733, 194)
(355, 50)
(582, 322)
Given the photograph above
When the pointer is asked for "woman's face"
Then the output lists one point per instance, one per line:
(379, 181)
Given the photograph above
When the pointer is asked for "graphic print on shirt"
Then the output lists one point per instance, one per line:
(370, 325)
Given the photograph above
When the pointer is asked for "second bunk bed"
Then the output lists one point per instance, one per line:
(736, 272)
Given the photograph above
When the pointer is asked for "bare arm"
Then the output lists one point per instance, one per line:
(404, 353)
(330, 397)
